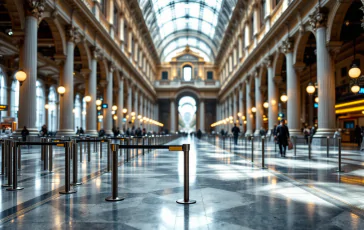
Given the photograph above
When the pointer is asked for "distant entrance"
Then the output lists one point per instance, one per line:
(187, 114)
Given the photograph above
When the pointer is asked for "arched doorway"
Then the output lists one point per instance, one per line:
(187, 114)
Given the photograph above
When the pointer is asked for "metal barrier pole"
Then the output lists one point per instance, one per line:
(95, 144)
(246, 145)
(42, 149)
(100, 149)
(143, 145)
(294, 144)
(252, 139)
(114, 196)
(67, 187)
(186, 197)
(8, 164)
(81, 150)
(127, 151)
(88, 150)
(19, 155)
(223, 142)
(50, 150)
(15, 171)
(75, 164)
(45, 155)
(339, 157)
(327, 146)
(230, 142)
(2, 157)
(263, 153)
(309, 147)
(108, 158)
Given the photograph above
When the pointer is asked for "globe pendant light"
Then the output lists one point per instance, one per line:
(354, 71)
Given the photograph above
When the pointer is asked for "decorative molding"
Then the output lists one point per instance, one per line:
(318, 18)
(35, 8)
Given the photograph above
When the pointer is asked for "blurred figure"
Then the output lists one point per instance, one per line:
(358, 135)
(282, 137)
(199, 134)
(44, 131)
(24, 133)
(235, 130)
(102, 133)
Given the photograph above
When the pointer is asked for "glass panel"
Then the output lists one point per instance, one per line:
(187, 73)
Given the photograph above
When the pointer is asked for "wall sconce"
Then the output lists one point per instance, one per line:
(21, 76)
(61, 90)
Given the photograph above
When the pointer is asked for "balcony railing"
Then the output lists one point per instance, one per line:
(181, 83)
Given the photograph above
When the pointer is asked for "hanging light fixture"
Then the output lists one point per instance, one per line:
(254, 109)
(284, 97)
(317, 99)
(98, 102)
(354, 71)
(21, 76)
(266, 105)
(310, 89)
(355, 88)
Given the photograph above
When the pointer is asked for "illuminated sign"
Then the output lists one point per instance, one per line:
(361, 91)
(104, 106)
(3, 108)
(280, 115)
(315, 105)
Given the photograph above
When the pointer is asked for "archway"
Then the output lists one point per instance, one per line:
(187, 114)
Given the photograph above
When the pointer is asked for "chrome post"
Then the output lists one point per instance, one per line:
(114, 196)
(75, 164)
(186, 197)
(67, 187)
(15, 169)
(339, 157)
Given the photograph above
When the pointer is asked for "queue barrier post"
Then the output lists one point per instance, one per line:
(309, 147)
(186, 198)
(75, 165)
(67, 187)
(2, 158)
(327, 146)
(114, 197)
(339, 157)
(263, 153)
(14, 159)
(252, 153)
(294, 145)
(88, 150)
(8, 163)
(101, 149)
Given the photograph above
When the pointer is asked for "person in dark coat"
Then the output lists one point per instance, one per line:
(235, 130)
(199, 134)
(282, 137)
(24, 133)
(358, 136)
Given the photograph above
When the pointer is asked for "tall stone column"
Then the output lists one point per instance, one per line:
(27, 99)
(202, 115)
(66, 125)
(130, 41)
(136, 51)
(109, 100)
(130, 100)
(173, 116)
(258, 106)
(141, 112)
(230, 105)
(136, 99)
(249, 115)
(91, 122)
(241, 109)
(293, 91)
(235, 104)
(272, 96)
(120, 103)
(325, 76)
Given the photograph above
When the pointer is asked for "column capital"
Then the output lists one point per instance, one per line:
(95, 52)
(71, 33)
(35, 8)
(103, 83)
(318, 18)
(85, 73)
(111, 66)
(268, 61)
(287, 45)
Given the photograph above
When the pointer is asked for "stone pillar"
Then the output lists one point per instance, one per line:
(27, 98)
(66, 125)
(310, 110)
(241, 109)
(130, 100)
(325, 76)
(135, 107)
(272, 96)
(121, 103)
(108, 98)
(130, 41)
(303, 105)
(173, 116)
(91, 122)
(136, 51)
(240, 48)
(258, 106)
(249, 115)
(230, 105)
(235, 104)
(202, 115)
(293, 91)
(141, 112)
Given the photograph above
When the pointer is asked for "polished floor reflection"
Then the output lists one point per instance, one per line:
(231, 193)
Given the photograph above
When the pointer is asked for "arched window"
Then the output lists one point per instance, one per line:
(40, 105)
(187, 73)
(3, 89)
(52, 111)
(77, 112)
(15, 99)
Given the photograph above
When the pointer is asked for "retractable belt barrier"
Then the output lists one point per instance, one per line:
(185, 148)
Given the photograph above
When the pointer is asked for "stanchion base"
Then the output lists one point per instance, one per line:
(340, 171)
(77, 183)
(14, 189)
(182, 201)
(6, 185)
(111, 199)
(264, 168)
(67, 192)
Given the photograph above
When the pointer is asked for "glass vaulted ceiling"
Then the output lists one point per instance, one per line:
(173, 24)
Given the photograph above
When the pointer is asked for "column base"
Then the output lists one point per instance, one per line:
(32, 132)
(108, 132)
(257, 133)
(323, 132)
(91, 133)
(66, 132)
(248, 133)
(295, 132)
(320, 137)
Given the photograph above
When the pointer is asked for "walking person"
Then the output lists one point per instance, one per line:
(235, 130)
(24, 133)
(282, 137)
(358, 135)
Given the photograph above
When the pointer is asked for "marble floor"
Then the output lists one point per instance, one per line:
(231, 191)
